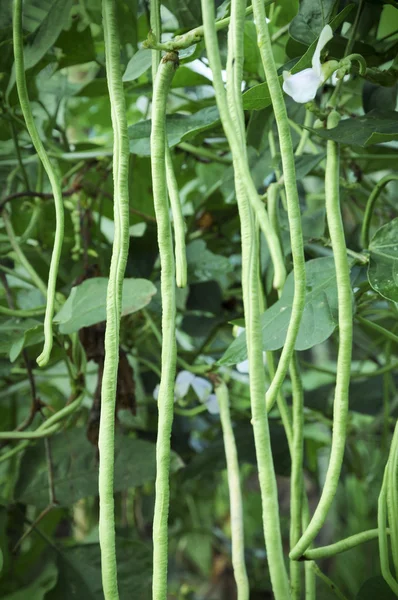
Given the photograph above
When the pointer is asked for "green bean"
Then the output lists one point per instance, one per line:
(340, 410)
(172, 185)
(370, 205)
(293, 206)
(235, 493)
(245, 190)
(296, 481)
(55, 182)
(169, 351)
(343, 545)
(392, 497)
(383, 541)
(106, 442)
(178, 222)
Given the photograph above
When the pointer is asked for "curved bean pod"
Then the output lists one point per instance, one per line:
(55, 182)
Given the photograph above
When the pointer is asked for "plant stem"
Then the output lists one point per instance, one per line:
(370, 205)
(378, 328)
(332, 586)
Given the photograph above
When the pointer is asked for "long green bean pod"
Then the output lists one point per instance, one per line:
(235, 494)
(106, 442)
(296, 481)
(172, 185)
(383, 540)
(163, 80)
(392, 497)
(370, 205)
(293, 206)
(343, 545)
(55, 181)
(178, 222)
(340, 407)
(245, 189)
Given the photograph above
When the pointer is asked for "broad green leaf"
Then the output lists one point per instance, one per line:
(77, 46)
(203, 265)
(80, 571)
(179, 128)
(46, 35)
(383, 264)
(76, 468)
(13, 330)
(375, 588)
(379, 97)
(375, 127)
(29, 337)
(40, 586)
(307, 162)
(187, 12)
(319, 317)
(312, 16)
(86, 304)
(138, 64)
(258, 96)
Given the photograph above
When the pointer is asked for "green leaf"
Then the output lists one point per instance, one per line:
(77, 46)
(258, 96)
(41, 584)
(383, 264)
(86, 304)
(187, 12)
(30, 337)
(319, 317)
(379, 97)
(307, 162)
(138, 64)
(48, 32)
(203, 265)
(373, 588)
(312, 16)
(76, 468)
(375, 127)
(179, 128)
(13, 332)
(80, 571)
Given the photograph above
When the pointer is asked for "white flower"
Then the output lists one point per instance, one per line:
(202, 388)
(303, 86)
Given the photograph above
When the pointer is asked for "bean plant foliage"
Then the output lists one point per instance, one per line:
(238, 356)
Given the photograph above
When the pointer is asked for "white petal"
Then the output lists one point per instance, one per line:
(183, 381)
(324, 38)
(202, 388)
(243, 367)
(155, 392)
(302, 86)
(212, 405)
